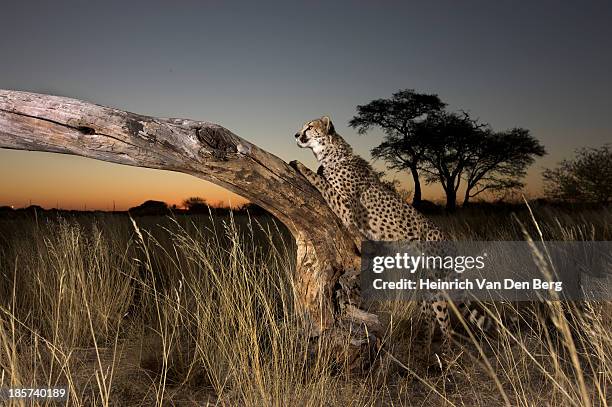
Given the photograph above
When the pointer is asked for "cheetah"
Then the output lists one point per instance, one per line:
(356, 195)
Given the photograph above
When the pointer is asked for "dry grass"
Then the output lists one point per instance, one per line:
(193, 310)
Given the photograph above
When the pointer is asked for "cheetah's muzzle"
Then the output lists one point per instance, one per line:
(301, 138)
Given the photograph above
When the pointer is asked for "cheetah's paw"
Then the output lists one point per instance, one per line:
(298, 166)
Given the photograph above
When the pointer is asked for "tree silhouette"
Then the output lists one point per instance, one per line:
(585, 178)
(459, 148)
(450, 139)
(402, 148)
(196, 204)
(499, 161)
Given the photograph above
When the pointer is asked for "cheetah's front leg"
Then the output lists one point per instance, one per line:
(335, 200)
(315, 179)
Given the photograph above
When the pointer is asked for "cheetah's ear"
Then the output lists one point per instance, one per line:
(328, 125)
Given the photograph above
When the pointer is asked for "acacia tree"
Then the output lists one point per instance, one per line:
(196, 204)
(449, 148)
(585, 178)
(499, 161)
(402, 148)
(460, 148)
(450, 138)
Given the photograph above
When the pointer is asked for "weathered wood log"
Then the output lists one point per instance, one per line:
(325, 249)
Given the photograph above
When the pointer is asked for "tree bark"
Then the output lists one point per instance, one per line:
(416, 198)
(466, 198)
(451, 197)
(326, 250)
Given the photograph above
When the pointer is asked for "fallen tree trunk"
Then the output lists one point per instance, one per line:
(325, 249)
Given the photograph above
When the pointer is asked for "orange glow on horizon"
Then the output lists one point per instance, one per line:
(213, 198)
(69, 182)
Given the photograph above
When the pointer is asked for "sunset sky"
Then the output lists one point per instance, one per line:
(263, 68)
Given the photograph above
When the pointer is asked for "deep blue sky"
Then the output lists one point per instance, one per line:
(263, 68)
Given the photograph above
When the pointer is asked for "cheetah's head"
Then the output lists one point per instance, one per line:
(316, 134)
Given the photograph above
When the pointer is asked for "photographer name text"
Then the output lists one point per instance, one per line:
(466, 284)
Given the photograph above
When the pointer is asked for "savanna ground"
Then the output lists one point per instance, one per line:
(192, 309)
